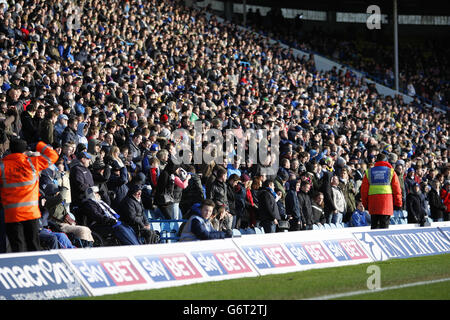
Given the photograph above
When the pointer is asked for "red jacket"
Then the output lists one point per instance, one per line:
(382, 203)
(445, 196)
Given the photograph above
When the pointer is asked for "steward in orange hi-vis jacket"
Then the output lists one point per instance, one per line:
(19, 192)
(381, 192)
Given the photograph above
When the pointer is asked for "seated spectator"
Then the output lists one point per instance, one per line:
(360, 217)
(221, 219)
(102, 219)
(199, 227)
(132, 212)
(60, 219)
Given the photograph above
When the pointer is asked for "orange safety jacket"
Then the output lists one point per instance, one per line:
(19, 183)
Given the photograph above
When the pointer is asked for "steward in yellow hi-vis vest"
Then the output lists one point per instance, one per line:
(19, 192)
(381, 192)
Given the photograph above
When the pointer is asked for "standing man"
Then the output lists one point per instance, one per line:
(80, 180)
(267, 209)
(381, 192)
(19, 192)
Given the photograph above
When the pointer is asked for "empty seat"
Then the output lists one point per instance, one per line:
(327, 226)
(333, 226)
(315, 227)
(236, 233)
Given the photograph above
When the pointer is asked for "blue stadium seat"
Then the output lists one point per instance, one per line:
(333, 226)
(347, 225)
(321, 227)
(327, 226)
(429, 220)
(315, 227)
(262, 230)
(402, 221)
(236, 233)
(393, 220)
(156, 226)
(250, 231)
(258, 230)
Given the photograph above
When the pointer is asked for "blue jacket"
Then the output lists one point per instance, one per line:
(360, 219)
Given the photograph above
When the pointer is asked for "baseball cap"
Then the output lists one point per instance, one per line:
(63, 116)
(84, 154)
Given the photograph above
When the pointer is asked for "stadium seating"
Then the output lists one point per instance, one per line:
(236, 233)
(168, 229)
(259, 230)
(247, 231)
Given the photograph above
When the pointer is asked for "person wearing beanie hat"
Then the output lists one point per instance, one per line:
(132, 213)
(19, 192)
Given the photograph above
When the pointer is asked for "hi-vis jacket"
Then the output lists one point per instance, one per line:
(19, 183)
(380, 189)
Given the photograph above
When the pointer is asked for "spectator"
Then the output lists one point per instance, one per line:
(305, 206)
(193, 192)
(102, 219)
(437, 207)
(218, 192)
(339, 202)
(199, 226)
(317, 205)
(60, 218)
(267, 207)
(80, 180)
(132, 212)
(415, 206)
(360, 217)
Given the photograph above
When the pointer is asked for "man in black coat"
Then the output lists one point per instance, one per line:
(268, 210)
(414, 206)
(437, 207)
(70, 132)
(305, 206)
(218, 190)
(132, 213)
(80, 180)
(293, 206)
(193, 193)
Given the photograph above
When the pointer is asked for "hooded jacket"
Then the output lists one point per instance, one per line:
(382, 204)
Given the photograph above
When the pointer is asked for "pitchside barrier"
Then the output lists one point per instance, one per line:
(63, 274)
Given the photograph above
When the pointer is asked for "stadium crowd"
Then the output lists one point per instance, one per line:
(424, 63)
(108, 85)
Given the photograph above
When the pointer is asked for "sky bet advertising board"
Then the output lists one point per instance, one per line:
(302, 250)
(37, 277)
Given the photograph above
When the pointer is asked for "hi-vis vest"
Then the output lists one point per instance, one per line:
(380, 180)
(19, 183)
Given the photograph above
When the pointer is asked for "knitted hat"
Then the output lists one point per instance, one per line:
(18, 146)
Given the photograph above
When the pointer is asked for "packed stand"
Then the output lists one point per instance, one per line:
(423, 63)
(109, 93)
